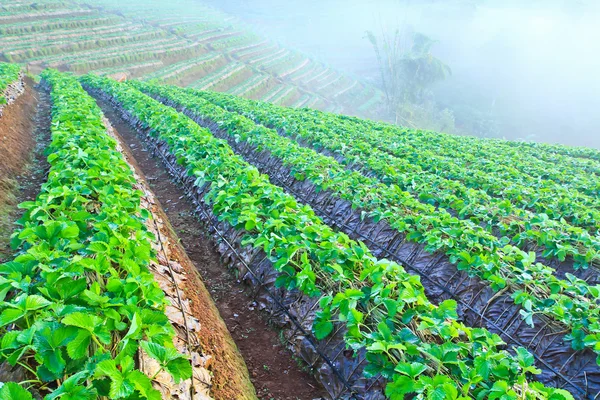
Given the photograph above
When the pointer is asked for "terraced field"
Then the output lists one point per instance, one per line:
(182, 42)
(393, 263)
(206, 214)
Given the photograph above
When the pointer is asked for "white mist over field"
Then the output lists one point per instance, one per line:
(532, 65)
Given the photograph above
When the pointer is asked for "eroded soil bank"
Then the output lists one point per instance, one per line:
(24, 134)
(273, 371)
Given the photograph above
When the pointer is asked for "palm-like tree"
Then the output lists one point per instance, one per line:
(407, 74)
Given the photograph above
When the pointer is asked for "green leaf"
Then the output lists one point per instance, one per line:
(82, 320)
(180, 369)
(399, 387)
(119, 388)
(13, 391)
(144, 385)
(54, 361)
(77, 348)
(411, 370)
(35, 302)
(10, 315)
(156, 351)
(70, 232)
(322, 328)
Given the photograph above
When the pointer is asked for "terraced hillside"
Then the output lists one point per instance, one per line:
(182, 42)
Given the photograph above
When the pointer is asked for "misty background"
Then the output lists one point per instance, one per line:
(520, 69)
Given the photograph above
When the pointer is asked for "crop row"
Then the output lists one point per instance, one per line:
(302, 73)
(17, 42)
(93, 54)
(275, 92)
(418, 347)
(483, 155)
(250, 84)
(273, 59)
(191, 65)
(417, 147)
(118, 39)
(572, 302)
(577, 152)
(130, 68)
(26, 6)
(78, 301)
(217, 76)
(261, 58)
(238, 40)
(48, 25)
(251, 52)
(557, 238)
(14, 41)
(20, 16)
(162, 53)
(248, 47)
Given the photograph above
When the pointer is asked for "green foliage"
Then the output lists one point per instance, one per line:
(570, 301)
(78, 299)
(9, 73)
(383, 308)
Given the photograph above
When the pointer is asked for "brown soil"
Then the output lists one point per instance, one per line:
(230, 375)
(24, 133)
(273, 371)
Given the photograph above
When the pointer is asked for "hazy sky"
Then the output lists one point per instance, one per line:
(536, 63)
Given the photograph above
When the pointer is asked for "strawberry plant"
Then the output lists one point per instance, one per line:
(571, 301)
(78, 302)
(420, 348)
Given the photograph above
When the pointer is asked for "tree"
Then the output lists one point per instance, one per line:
(408, 68)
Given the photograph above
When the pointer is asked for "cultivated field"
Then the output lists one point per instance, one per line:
(197, 223)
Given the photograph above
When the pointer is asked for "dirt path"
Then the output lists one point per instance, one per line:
(24, 134)
(273, 371)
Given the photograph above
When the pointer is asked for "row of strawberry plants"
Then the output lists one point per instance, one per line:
(48, 25)
(250, 84)
(569, 171)
(237, 40)
(163, 53)
(573, 164)
(129, 68)
(534, 286)
(174, 71)
(129, 48)
(9, 74)
(577, 152)
(490, 156)
(558, 238)
(419, 347)
(252, 52)
(78, 301)
(54, 48)
(217, 76)
(538, 195)
(21, 16)
(14, 43)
